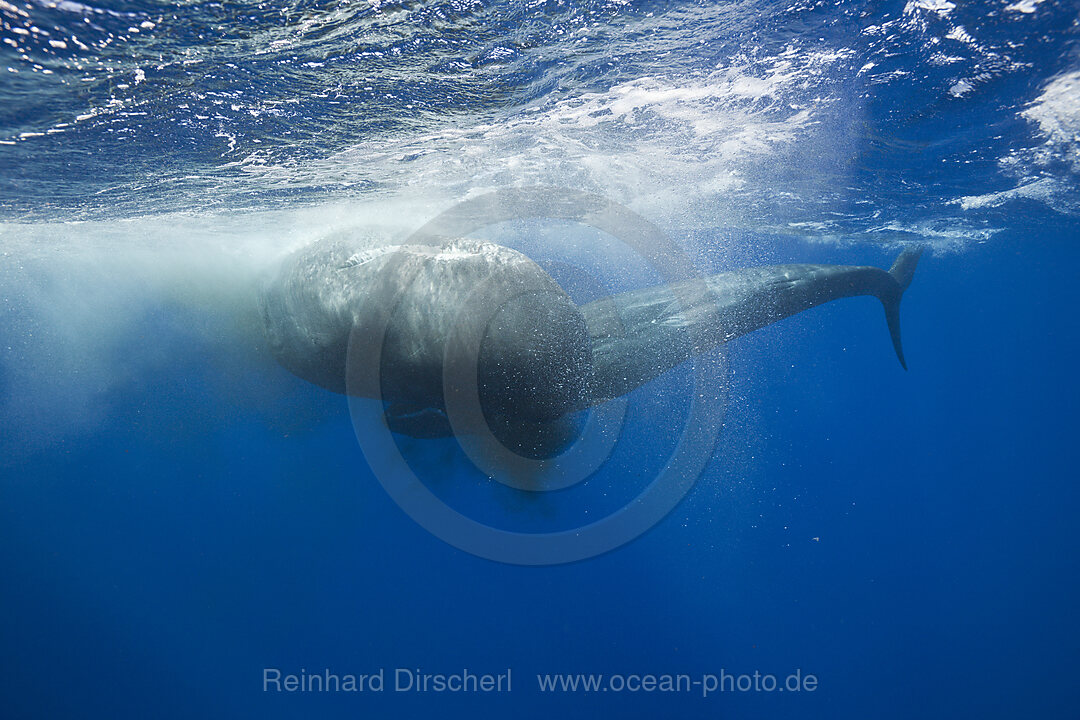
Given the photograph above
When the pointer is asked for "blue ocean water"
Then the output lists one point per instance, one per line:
(178, 514)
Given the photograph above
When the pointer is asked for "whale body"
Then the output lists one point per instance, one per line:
(488, 311)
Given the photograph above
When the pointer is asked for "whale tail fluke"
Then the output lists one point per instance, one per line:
(902, 270)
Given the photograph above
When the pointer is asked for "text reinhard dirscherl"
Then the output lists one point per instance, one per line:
(467, 681)
(401, 680)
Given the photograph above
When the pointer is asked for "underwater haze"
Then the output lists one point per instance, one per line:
(189, 531)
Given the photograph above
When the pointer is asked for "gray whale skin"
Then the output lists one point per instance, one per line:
(538, 358)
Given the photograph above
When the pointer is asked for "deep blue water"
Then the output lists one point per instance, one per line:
(177, 513)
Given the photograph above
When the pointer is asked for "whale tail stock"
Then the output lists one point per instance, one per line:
(638, 335)
(902, 270)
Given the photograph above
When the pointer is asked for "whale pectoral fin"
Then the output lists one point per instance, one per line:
(417, 422)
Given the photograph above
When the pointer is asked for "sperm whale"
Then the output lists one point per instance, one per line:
(537, 358)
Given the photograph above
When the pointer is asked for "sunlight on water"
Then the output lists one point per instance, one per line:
(699, 115)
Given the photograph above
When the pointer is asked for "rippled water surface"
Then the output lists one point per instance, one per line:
(883, 120)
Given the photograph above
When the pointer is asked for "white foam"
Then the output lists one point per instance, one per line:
(1057, 113)
(941, 7)
(959, 34)
(1024, 6)
(1042, 190)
